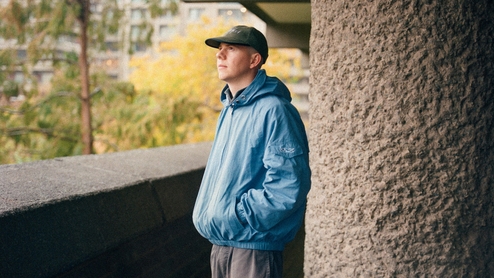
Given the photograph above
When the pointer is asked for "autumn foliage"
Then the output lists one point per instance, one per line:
(170, 98)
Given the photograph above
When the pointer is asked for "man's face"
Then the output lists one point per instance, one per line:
(234, 62)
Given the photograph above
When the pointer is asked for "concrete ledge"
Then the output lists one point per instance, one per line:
(57, 213)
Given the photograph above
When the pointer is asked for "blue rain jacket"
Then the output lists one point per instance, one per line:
(254, 189)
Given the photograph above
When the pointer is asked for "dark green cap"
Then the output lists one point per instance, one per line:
(243, 35)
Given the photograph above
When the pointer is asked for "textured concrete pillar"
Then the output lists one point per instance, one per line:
(402, 139)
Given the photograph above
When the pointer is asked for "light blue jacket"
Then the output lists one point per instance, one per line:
(254, 189)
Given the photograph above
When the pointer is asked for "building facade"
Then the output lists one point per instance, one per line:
(121, 47)
(116, 60)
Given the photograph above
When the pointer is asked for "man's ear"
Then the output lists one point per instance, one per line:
(256, 60)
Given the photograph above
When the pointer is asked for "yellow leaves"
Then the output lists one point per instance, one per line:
(284, 63)
(186, 69)
(186, 66)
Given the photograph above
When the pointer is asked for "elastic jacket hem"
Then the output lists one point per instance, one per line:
(268, 246)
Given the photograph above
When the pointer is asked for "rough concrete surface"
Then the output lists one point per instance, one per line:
(401, 134)
(57, 214)
(37, 183)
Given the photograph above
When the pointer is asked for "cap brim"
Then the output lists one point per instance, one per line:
(215, 42)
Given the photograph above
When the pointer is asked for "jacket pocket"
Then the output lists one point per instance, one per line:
(224, 224)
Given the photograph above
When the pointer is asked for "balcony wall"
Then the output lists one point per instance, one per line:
(124, 214)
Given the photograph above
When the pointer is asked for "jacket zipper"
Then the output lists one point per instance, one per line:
(225, 149)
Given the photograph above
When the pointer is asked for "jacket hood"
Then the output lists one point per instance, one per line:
(261, 86)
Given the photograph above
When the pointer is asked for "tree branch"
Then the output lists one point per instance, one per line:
(45, 131)
(21, 112)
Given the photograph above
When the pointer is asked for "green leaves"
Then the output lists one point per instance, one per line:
(172, 99)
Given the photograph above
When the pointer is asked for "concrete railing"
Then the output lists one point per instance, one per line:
(103, 215)
(125, 214)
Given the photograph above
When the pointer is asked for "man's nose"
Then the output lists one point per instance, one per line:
(220, 54)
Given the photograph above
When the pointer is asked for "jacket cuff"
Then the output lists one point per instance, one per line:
(241, 213)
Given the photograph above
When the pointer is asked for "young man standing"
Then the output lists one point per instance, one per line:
(253, 194)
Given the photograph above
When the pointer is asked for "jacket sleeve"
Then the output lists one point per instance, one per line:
(286, 182)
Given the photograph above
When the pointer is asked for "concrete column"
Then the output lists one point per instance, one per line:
(402, 139)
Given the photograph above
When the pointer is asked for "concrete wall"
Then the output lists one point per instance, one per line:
(401, 135)
(124, 214)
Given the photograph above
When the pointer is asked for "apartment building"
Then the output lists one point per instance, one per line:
(166, 26)
(120, 48)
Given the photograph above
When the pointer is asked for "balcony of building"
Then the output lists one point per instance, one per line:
(125, 214)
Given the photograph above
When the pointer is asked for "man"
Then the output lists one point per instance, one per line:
(253, 194)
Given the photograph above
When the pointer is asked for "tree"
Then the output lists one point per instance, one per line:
(186, 70)
(173, 99)
(41, 24)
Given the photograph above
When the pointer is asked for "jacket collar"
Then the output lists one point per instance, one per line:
(262, 85)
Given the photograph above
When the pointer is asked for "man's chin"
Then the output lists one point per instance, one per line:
(222, 77)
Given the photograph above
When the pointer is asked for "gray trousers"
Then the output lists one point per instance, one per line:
(230, 262)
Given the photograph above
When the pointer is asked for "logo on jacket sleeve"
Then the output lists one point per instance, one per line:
(287, 150)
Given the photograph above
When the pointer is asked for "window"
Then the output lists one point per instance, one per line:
(45, 77)
(195, 13)
(166, 32)
(137, 14)
(111, 46)
(230, 14)
(138, 47)
(167, 15)
(135, 32)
